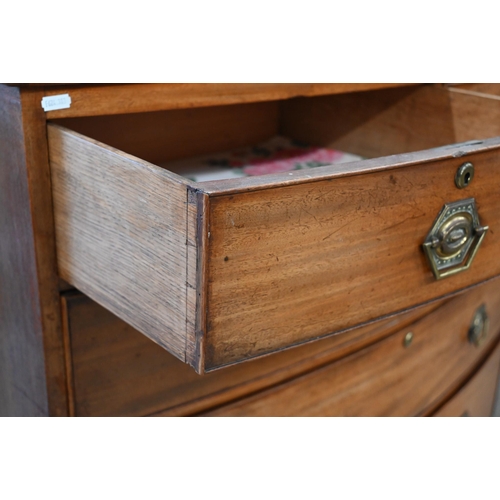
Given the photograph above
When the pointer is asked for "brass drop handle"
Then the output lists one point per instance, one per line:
(479, 326)
(454, 234)
(454, 239)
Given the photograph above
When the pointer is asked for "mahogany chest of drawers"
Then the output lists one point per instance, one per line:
(361, 288)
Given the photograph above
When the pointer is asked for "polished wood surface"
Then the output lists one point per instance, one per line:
(39, 182)
(476, 398)
(293, 263)
(388, 379)
(120, 99)
(121, 234)
(118, 371)
(32, 371)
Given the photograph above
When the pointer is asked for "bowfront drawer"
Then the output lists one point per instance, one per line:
(117, 371)
(409, 373)
(477, 397)
(222, 271)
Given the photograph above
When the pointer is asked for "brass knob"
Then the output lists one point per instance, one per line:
(408, 339)
(454, 239)
(478, 329)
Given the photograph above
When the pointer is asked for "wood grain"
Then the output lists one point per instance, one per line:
(476, 115)
(193, 294)
(372, 124)
(169, 135)
(32, 371)
(388, 379)
(196, 266)
(118, 371)
(476, 398)
(121, 99)
(121, 234)
(294, 263)
(39, 182)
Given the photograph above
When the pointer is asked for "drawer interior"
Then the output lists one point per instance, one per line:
(366, 124)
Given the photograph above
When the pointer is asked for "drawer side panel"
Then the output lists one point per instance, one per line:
(121, 234)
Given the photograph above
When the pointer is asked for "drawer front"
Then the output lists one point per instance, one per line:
(222, 272)
(292, 263)
(389, 378)
(477, 397)
(117, 371)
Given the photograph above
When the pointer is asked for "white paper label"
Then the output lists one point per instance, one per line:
(53, 102)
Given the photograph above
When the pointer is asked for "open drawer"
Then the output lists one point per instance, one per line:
(222, 271)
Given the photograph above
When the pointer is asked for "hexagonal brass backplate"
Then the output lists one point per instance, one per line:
(454, 239)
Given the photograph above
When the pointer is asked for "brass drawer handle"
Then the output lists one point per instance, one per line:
(479, 326)
(454, 239)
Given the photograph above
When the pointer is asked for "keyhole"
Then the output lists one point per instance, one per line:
(464, 175)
